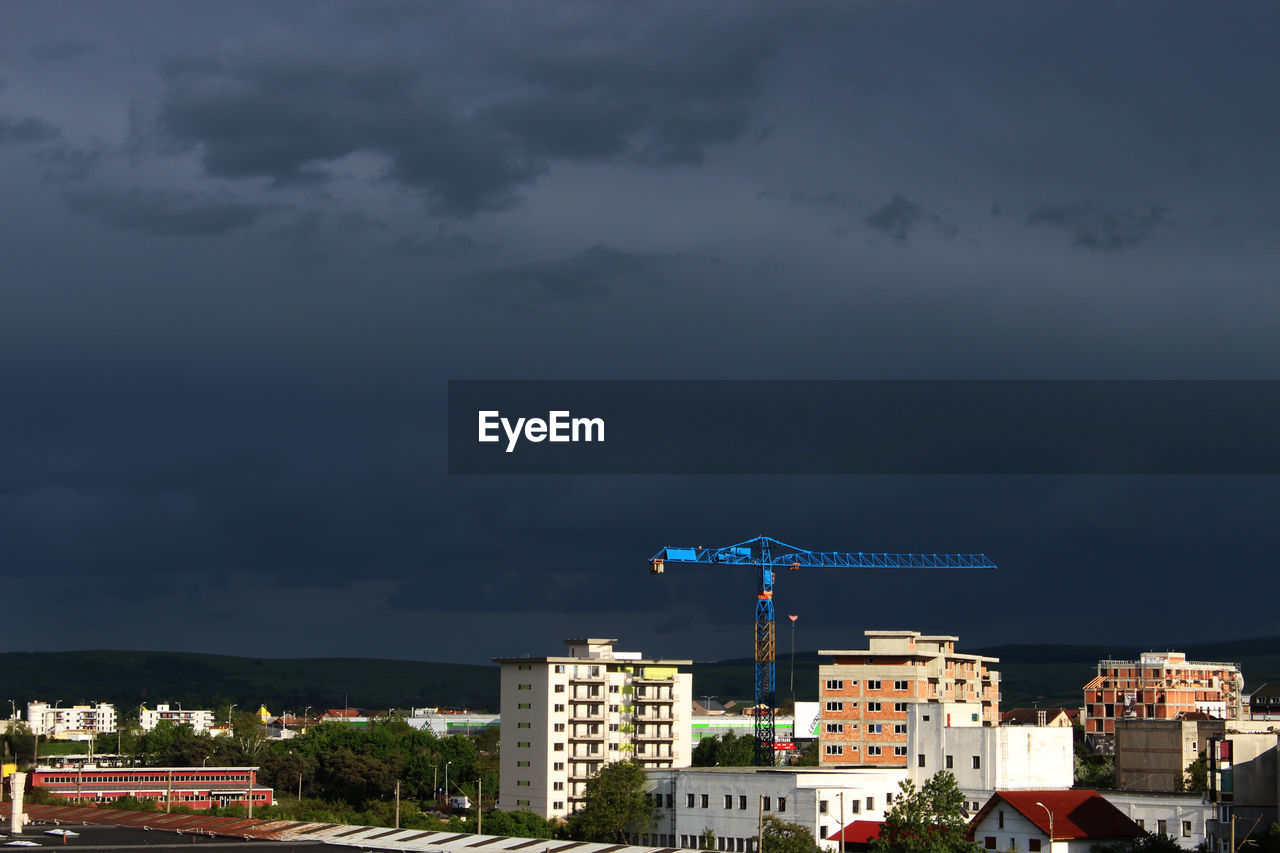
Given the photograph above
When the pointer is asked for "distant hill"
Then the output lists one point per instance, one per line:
(1044, 674)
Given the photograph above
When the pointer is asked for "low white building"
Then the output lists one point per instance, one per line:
(149, 718)
(985, 758)
(74, 723)
(729, 802)
(1071, 821)
(1182, 817)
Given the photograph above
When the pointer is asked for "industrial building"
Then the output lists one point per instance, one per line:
(726, 804)
(1152, 755)
(563, 718)
(75, 723)
(864, 694)
(1160, 686)
(195, 787)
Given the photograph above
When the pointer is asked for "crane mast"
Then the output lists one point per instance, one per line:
(766, 554)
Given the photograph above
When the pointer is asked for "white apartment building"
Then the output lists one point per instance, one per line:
(563, 718)
(984, 759)
(76, 722)
(729, 803)
(149, 718)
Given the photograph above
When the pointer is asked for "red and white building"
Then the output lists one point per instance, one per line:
(1053, 821)
(1160, 686)
(195, 787)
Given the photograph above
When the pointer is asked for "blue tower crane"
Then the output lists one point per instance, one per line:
(768, 554)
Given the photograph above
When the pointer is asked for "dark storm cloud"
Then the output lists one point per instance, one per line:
(590, 273)
(900, 215)
(661, 95)
(18, 131)
(162, 212)
(452, 246)
(64, 164)
(1102, 228)
(56, 50)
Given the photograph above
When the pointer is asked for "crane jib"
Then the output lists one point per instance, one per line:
(767, 553)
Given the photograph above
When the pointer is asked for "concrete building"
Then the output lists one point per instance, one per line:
(1152, 755)
(1244, 783)
(1160, 686)
(865, 694)
(729, 803)
(951, 736)
(1264, 703)
(1050, 822)
(1060, 717)
(195, 787)
(563, 718)
(149, 718)
(75, 723)
(1182, 817)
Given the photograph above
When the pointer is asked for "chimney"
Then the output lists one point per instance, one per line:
(1041, 717)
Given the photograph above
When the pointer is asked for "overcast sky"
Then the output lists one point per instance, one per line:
(244, 245)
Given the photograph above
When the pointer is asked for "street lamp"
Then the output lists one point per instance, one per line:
(446, 778)
(1050, 814)
(229, 710)
(203, 760)
(706, 702)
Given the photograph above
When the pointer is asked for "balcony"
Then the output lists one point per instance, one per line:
(652, 736)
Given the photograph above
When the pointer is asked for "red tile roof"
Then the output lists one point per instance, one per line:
(342, 712)
(859, 832)
(1076, 813)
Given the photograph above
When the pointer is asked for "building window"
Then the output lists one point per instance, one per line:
(706, 801)
(871, 803)
(558, 804)
(835, 706)
(728, 801)
(873, 728)
(873, 750)
(977, 762)
(1142, 824)
(782, 804)
(559, 727)
(834, 749)
(823, 805)
(899, 750)
(920, 760)
(948, 762)
(613, 709)
(835, 728)
(855, 806)
(524, 667)
(559, 709)
(766, 804)
(522, 783)
(522, 744)
(1162, 827)
(688, 801)
(557, 786)
(524, 706)
(742, 802)
(1000, 819)
(524, 687)
(899, 685)
(522, 802)
(559, 747)
(900, 728)
(835, 684)
(559, 669)
(522, 764)
(559, 765)
(900, 707)
(873, 706)
(873, 683)
(989, 842)
(523, 725)
(1033, 845)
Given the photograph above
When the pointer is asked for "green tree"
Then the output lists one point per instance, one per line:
(928, 819)
(519, 824)
(778, 836)
(707, 841)
(1146, 843)
(809, 755)
(1196, 779)
(614, 807)
(726, 750)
